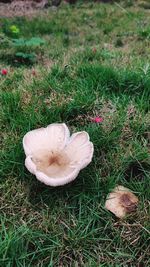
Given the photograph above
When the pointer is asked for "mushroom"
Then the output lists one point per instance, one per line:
(53, 156)
(121, 201)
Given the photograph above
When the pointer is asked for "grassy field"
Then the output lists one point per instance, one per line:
(89, 60)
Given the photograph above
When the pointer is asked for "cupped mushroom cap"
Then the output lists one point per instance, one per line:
(55, 157)
(80, 149)
(54, 136)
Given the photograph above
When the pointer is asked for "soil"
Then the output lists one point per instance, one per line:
(13, 8)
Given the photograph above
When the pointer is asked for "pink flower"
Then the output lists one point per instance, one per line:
(94, 50)
(97, 119)
(4, 72)
(33, 72)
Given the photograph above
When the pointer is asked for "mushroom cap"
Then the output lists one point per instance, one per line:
(55, 157)
(121, 201)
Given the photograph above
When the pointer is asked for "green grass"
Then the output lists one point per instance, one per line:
(94, 61)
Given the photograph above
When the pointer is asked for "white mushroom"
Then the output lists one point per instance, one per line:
(53, 156)
(121, 201)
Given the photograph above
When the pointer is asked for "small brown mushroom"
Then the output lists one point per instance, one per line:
(121, 201)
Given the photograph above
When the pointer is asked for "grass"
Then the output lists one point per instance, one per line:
(94, 61)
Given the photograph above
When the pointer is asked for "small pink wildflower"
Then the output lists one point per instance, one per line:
(94, 50)
(4, 72)
(97, 119)
(33, 72)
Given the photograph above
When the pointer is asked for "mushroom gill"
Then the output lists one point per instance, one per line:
(52, 163)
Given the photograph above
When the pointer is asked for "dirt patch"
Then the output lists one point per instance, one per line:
(21, 8)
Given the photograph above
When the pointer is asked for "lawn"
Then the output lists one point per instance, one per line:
(71, 65)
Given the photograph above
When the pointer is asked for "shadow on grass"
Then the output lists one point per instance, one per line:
(136, 170)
